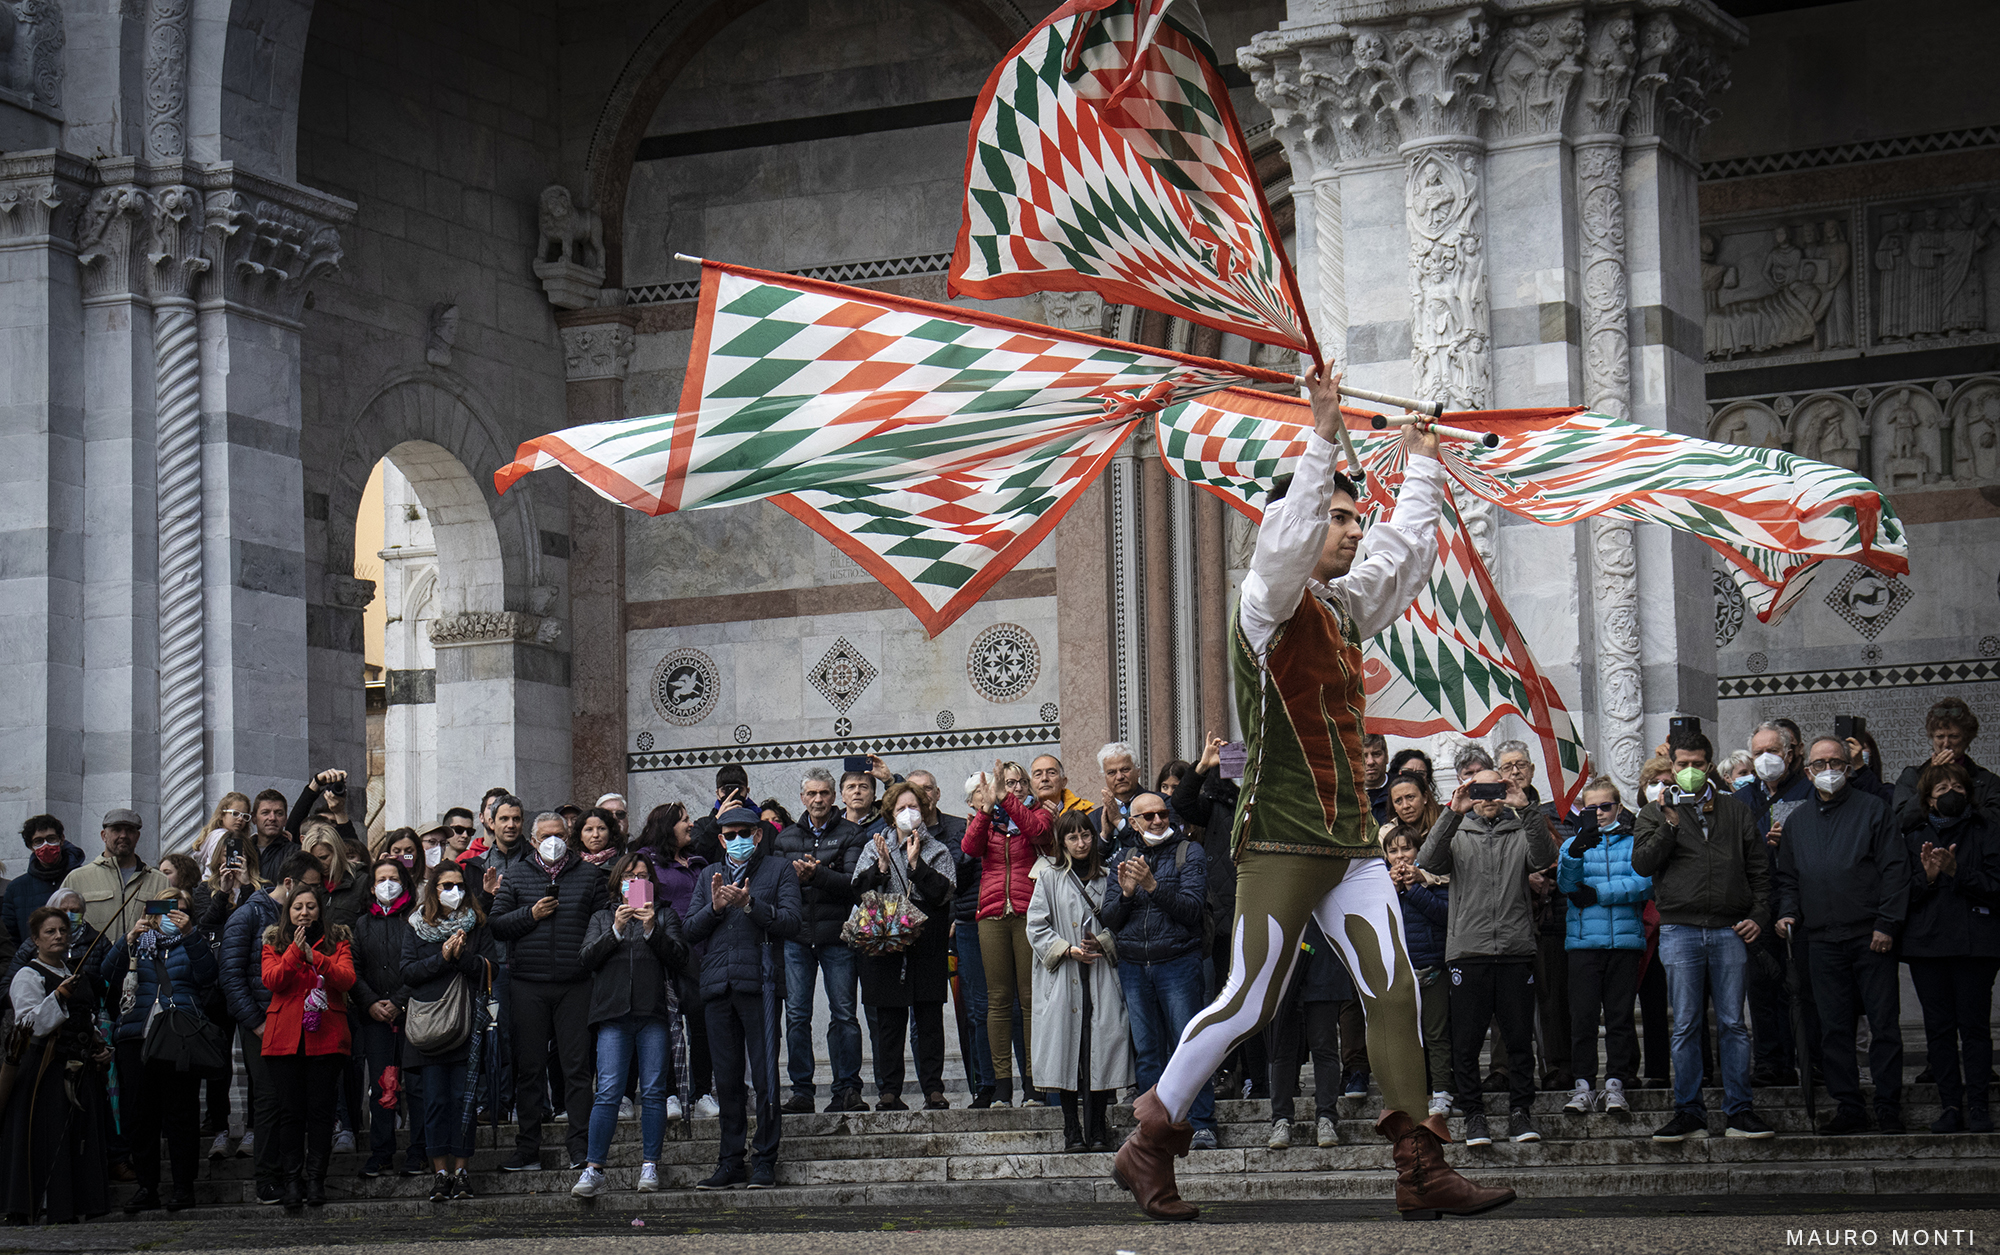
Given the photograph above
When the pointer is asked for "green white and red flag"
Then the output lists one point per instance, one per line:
(934, 445)
(1105, 156)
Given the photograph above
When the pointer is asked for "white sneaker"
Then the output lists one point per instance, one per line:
(1329, 1132)
(589, 1185)
(706, 1108)
(343, 1143)
(1440, 1103)
(1204, 1139)
(649, 1178)
(248, 1146)
(1614, 1098)
(673, 1106)
(1579, 1100)
(1000, 1103)
(1281, 1134)
(625, 1110)
(219, 1148)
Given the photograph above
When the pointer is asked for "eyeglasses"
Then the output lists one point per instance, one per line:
(1826, 764)
(48, 838)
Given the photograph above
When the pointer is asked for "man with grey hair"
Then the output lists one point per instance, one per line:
(1120, 765)
(1780, 786)
(1516, 766)
(823, 847)
(1470, 759)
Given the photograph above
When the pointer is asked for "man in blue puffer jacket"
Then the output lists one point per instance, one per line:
(1605, 939)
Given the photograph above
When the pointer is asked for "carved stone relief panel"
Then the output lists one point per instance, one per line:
(1828, 427)
(1777, 287)
(1749, 423)
(1975, 431)
(1073, 311)
(1908, 452)
(1932, 269)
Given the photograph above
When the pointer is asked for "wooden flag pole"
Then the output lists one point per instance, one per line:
(1487, 438)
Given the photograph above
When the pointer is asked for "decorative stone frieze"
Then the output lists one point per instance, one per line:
(487, 627)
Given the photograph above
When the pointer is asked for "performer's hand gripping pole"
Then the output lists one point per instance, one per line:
(1487, 438)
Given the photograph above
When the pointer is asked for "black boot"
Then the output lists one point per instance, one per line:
(1072, 1128)
(982, 1100)
(1003, 1092)
(295, 1193)
(1978, 1117)
(1097, 1133)
(315, 1180)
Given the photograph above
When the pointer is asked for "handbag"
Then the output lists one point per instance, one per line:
(444, 1023)
(885, 923)
(181, 1037)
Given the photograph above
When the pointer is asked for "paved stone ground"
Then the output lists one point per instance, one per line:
(1750, 1225)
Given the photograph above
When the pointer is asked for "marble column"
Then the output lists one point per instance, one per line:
(597, 350)
(1510, 229)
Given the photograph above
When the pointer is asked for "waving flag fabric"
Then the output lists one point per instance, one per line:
(934, 445)
(1455, 661)
(1105, 156)
(1772, 515)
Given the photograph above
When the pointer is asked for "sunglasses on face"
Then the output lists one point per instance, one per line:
(1604, 807)
(237, 814)
(1148, 816)
(463, 830)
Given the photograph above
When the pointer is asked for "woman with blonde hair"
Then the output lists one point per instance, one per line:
(1084, 1043)
(231, 816)
(346, 896)
(232, 880)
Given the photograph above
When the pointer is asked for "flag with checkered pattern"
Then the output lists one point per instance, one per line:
(934, 445)
(1105, 156)
(1455, 661)
(1772, 516)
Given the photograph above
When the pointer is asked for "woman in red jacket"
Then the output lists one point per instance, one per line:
(1006, 833)
(308, 967)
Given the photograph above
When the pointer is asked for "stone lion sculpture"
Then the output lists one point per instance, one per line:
(569, 233)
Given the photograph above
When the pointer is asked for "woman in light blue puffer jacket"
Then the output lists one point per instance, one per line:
(1605, 939)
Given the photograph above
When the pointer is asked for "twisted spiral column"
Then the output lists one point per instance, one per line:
(1607, 373)
(176, 374)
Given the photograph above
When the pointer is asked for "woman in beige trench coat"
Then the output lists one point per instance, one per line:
(1084, 1046)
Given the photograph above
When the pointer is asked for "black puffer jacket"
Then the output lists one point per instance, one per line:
(1164, 923)
(378, 958)
(1206, 800)
(826, 899)
(550, 949)
(628, 975)
(736, 937)
(1952, 917)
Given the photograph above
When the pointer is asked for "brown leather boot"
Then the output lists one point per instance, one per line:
(1145, 1163)
(1426, 1187)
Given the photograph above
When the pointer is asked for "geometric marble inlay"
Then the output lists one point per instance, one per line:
(1868, 600)
(1728, 609)
(685, 686)
(842, 675)
(1004, 662)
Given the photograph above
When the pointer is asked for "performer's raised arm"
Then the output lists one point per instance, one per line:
(1313, 532)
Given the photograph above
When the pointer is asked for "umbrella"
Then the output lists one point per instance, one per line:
(481, 1021)
(1795, 991)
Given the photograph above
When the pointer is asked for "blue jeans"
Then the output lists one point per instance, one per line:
(445, 1130)
(1710, 962)
(617, 1042)
(835, 965)
(1161, 998)
(972, 981)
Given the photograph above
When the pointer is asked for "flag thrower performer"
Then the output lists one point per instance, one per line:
(1303, 841)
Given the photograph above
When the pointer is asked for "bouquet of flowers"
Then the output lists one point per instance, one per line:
(884, 923)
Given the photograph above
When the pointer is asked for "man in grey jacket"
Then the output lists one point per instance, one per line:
(1844, 873)
(1488, 845)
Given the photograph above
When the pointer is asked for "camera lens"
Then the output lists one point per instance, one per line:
(338, 788)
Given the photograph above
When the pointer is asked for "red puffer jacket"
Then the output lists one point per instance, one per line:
(1005, 855)
(292, 975)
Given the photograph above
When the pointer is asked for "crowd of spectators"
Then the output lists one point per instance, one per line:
(501, 965)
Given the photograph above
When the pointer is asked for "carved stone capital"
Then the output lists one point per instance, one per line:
(1609, 58)
(348, 592)
(600, 350)
(109, 227)
(41, 195)
(1682, 67)
(1536, 63)
(265, 241)
(489, 627)
(1421, 79)
(1301, 111)
(173, 254)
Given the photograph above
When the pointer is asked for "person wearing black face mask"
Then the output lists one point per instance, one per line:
(1952, 943)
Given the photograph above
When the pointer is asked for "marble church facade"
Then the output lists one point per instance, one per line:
(250, 250)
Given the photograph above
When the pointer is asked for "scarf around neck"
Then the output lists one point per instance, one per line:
(458, 921)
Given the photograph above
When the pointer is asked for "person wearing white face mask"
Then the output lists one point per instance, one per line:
(1156, 904)
(1711, 886)
(1778, 785)
(378, 998)
(905, 860)
(447, 937)
(1844, 874)
(542, 911)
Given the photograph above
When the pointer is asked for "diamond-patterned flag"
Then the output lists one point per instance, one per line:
(1771, 515)
(1105, 156)
(934, 445)
(1455, 661)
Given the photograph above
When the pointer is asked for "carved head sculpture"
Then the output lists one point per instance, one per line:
(1831, 231)
(1369, 48)
(1899, 222)
(1808, 234)
(1781, 236)
(1707, 247)
(1932, 218)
